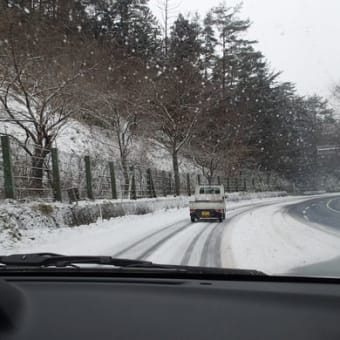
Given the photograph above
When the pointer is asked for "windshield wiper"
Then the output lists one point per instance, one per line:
(57, 260)
(45, 260)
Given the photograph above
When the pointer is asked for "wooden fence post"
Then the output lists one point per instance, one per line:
(228, 184)
(236, 184)
(170, 183)
(133, 193)
(9, 183)
(188, 185)
(199, 179)
(88, 175)
(164, 184)
(113, 180)
(268, 180)
(150, 185)
(56, 175)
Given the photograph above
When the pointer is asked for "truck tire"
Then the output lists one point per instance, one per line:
(193, 219)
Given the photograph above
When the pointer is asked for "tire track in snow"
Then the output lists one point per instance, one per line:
(215, 255)
(205, 247)
(211, 252)
(225, 244)
(158, 244)
(147, 237)
(210, 255)
(216, 244)
(192, 245)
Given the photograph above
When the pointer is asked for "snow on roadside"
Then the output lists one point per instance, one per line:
(270, 240)
(18, 218)
(102, 237)
(240, 196)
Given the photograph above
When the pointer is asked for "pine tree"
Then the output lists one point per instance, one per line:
(185, 44)
(228, 27)
(135, 28)
(208, 46)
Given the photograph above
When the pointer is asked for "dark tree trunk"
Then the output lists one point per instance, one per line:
(126, 178)
(176, 173)
(37, 169)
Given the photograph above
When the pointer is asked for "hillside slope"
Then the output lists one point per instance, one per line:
(81, 139)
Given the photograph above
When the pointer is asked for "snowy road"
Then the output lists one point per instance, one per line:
(259, 234)
(184, 242)
(324, 211)
(275, 239)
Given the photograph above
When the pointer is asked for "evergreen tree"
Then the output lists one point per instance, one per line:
(208, 46)
(185, 43)
(229, 27)
(135, 28)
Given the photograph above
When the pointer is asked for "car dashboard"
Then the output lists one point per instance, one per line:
(112, 306)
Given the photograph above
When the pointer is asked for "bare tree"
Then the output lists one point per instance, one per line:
(207, 157)
(174, 100)
(37, 96)
(115, 99)
(215, 154)
(120, 115)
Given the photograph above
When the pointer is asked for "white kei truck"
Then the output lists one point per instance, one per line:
(209, 203)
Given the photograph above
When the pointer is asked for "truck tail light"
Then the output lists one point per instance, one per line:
(192, 210)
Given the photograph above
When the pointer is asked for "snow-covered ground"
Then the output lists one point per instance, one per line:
(102, 237)
(258, 234)
(80, 139)
(269, 239)
(19, 220)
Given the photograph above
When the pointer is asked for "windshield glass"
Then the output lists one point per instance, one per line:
(116, 115)
(210, 190)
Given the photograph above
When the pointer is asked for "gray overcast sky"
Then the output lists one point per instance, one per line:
(298, 37)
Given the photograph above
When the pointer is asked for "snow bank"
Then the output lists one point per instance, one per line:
(240, 196)
(102, 237)
(16, 217)
(86, 213)
(309, 193)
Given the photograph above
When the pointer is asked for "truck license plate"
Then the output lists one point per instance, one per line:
(205, 213)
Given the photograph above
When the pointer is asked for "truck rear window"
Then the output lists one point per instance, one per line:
(209, 190)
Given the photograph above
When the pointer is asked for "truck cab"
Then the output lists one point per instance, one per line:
(209, 203)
